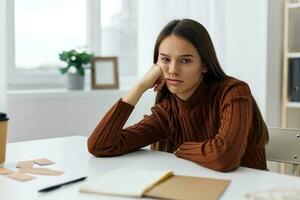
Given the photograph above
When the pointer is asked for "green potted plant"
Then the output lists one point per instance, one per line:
(76, 64)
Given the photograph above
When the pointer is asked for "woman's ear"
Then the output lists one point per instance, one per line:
(204, 69)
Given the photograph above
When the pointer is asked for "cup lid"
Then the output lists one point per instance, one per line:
(3, 117)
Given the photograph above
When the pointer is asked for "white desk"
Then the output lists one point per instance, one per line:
(71, 156)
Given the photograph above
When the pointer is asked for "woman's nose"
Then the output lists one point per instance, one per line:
(173, 68)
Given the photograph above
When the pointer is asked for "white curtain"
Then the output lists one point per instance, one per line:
(3, 107)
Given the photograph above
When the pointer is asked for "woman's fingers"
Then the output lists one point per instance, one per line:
(159, 83)
(153, 78)
(161, 80)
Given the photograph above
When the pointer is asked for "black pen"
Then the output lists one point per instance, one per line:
(53, 187)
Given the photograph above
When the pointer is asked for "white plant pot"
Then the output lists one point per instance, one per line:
(75, 81)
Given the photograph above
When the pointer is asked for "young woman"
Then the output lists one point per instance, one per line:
(200, 113)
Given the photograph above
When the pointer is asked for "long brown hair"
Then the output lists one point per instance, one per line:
(198, 36)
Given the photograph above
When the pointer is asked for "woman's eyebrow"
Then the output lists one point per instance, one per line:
(163, 54)
(184, 55)
(187, 55)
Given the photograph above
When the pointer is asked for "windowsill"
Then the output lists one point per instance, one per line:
(125, 84)
(66, 93)
(61, 90)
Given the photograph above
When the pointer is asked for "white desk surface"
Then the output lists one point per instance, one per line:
(71, 156)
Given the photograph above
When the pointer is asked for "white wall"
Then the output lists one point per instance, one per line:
(246, 45)
(3, 55)
(275, 35)
(254, 50)
(36, 114)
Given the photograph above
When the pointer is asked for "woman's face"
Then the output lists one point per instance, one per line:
(181, 65)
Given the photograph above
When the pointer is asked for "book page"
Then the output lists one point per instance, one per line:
(125, 182)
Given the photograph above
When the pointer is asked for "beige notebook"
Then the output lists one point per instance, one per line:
(188, 188)
(126, 182)
(156, 184)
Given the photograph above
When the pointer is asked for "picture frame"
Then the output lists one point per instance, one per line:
(104, 73)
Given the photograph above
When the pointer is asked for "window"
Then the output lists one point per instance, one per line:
(45, 28)
(42, 30)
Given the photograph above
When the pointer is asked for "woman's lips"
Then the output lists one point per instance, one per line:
(173, 81)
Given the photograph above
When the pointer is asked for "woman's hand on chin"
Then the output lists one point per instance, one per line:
(153, 78)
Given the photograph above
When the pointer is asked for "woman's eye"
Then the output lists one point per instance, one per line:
(165, 60)
(185, 60)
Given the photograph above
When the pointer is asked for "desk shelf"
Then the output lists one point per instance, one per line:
(293, 5)
(294, 54)
(291, 50)
(293, 104)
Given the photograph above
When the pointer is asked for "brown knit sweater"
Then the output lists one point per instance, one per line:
(212, 128)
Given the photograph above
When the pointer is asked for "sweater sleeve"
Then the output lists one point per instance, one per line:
(225, 150)
(110, 139)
